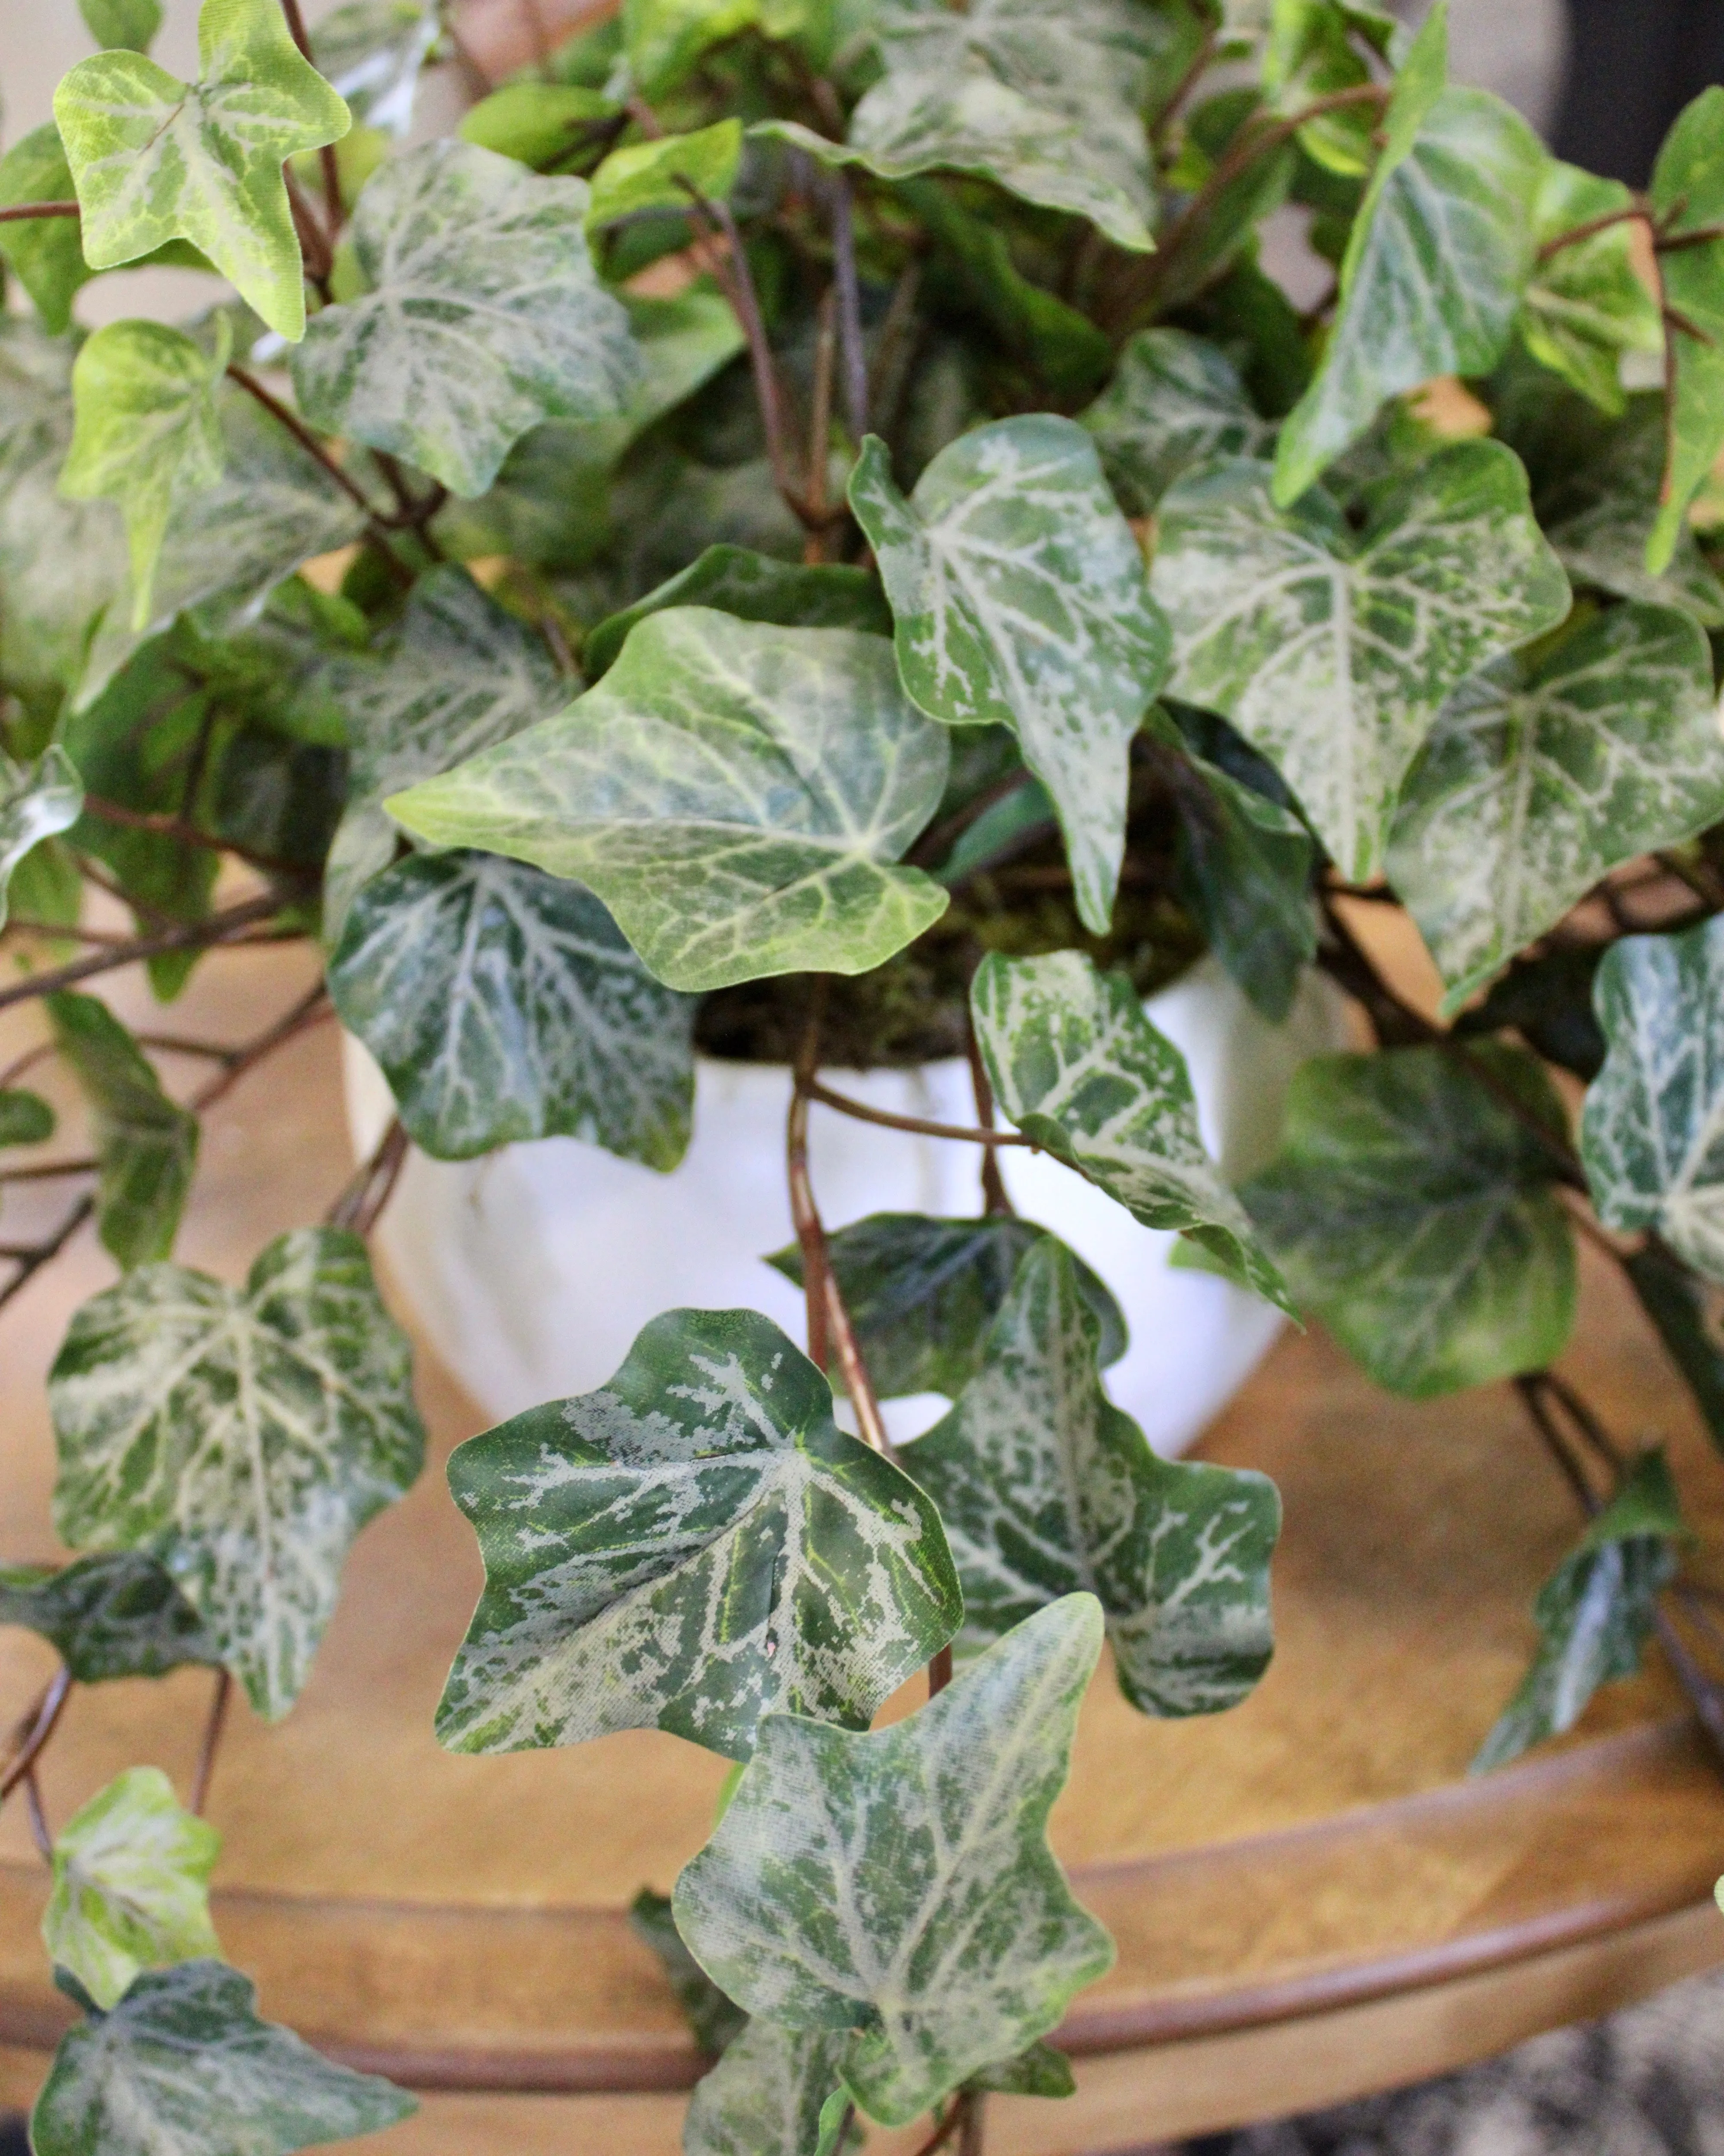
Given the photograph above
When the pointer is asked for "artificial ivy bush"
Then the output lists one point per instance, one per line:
(808, 530)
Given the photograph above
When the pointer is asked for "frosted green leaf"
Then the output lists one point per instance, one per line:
(1652, 1137)
(714, 2021)
(481, 315)
(371, 52)
(503, 1004)
(1078, 1068)
(1332, 648)
(754, 587)
(1175, 399)
(899, 1884)
(735, 793)
(1436, 263)
(44, 252)
(1046, 1490)
(1021, 600)
(647, 176)
(130, 1885)
(1413, 1213)
(1687, 195)
(1547, 770)
(117, 1615)
(146, 429)
(242, 1436)
(693, 1547)
(923, 1294)
(36, 801)
(1596, 1611)
(767, 2095)
(539, 124)
(155, 159)
(1585, 305)
(128, 24)
(25, 1117)
(1685, 1312)
(145, 1145)
(183, 2065)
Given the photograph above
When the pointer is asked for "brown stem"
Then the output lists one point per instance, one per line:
(303, 435)
(311, 1009)
(314, 239)
(939, 1671)
(188, 834)
(296, 29)
(970, 2131)
(360, 1206)
(19, 212)
(1636, 213)
(809, 1234)
(820, 425)
(944, 2129)
(30, 1264)
(212, 1743)
(102, 939)
(918, 1124)
(50, 1171)
(34, 1732)
(1675, 242)
(1182, 89)
(850, 308)
(995, 1201)
(197, 936)
(40, 1832)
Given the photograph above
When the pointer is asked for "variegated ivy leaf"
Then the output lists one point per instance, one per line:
(146, 430)
(754, 587)
(183, 2064)
(1046, 1490)
(1687, 196)
(1546, 771)
(481, 315)
(1078, 1068)
(117, 1616)
(44, 252)
(1174, 400)
(242, 1436)
(1436, 263)
(1332, 648)
(767, 2095)
(128, 24)
(1596, 1611)
(503, 1004)
(130, 1885)
(371, 52)
(1586, 306)
(1652, 1136)
(694, 1546)
(923, 1294)
(1413, 1213)
(899, 1884)
(658, 174)
(145, 1145)
(736, 793)
(155, 159)
(714, 2022)
(1021, 600)
(36, 801)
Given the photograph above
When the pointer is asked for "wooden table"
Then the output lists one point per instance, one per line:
(1310, 1898)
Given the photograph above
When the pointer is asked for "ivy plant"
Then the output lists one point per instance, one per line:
(814, 536)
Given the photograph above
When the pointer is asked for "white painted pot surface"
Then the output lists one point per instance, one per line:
(533, 1269)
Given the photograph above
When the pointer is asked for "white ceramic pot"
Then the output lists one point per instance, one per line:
(533, 1269)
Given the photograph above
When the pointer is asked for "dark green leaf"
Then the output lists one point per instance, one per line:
(539, 124)
(1686, 1312)
(25, 1117)
(1687, 195)
(118, 1616)
(754, 587)
(44, 252)
(146, 1146)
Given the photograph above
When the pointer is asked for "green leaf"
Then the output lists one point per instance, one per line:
(1687, 195)
(147, 430)
(753, 587)
(1546, 771)
(1078, 1068)
(694, 1546)
(539, 124)
(155, 159)
(1586, 306)
(130, 1885)
(714, 2020)
(1652, 1136)
(1309, 54)
(146, 1146)
(1596, 1611)
(118, 1616)
(131, 25)
(1175, 400)
(663, 38)
(1685, 1311)
(735, 793)
(1021, 600)
(1436, 263)
(1413, 1213)
(505, 1004)
(482, 315)
(36, 801)
(923, 1294)
(898, 1883)
(25, 1117)
(242, 1436)
(644, 176)
(183, 2064)
(1039, 2070)
(45, 252)
(1046, 1490)
(766, 2095)
(1330, 649)
(371, 52)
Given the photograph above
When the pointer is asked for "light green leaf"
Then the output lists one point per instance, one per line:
(540, 123)
(482, 315)
(1175, 399)
(1652, 1136)
(36, 801)
(1077, 1066)
(1046, 1490)
(371, 52)
(45, 252)
(644, 176)
(147, 430)
(923, 1294)
(1685, 1311)
(146, 1146)
(1547, 770)
(735, 793)
(1586, 306)
(694, 1546)
(714, 2022)
(1413, 1213)
(505, 1004)
(183, 2064)
(899, 1884)
(1596, 1611)
(766, 2095)
(1330, 649)
(242, 1436)
(1020, 599)
(130, 1885)
(754, 587)
(1687, 195)
(155, 159)
(118, 1615)
(25, 1117)
(1436, 263)
(128, 24)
